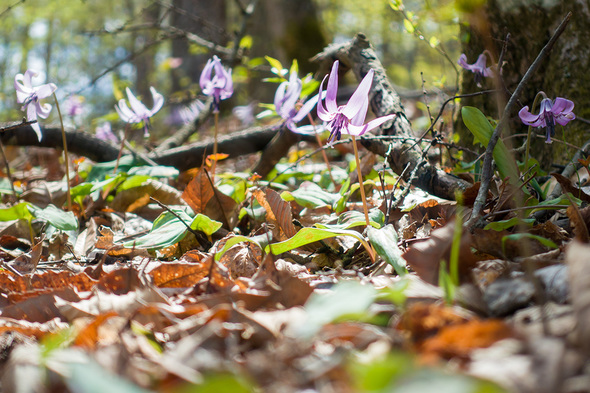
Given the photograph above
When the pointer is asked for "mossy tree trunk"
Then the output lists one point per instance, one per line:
(564, 73)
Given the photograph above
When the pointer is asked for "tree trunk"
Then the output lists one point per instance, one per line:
(564, 73)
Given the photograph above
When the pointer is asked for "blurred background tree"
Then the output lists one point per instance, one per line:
(95, 48)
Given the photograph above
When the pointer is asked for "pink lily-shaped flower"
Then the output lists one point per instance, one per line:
(220, 85)
(138, 112)
(478, 68)
(105, 133)
(30, 97)
(347, 118)
(288, 106)
(559, 111)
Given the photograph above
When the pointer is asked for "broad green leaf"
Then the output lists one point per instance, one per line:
(154, 171)
(66, 221)
(17, 212)
(346, 300)
(169, 229)
(232, 241)
(409, 26)
(312, 196)
(246, 42)
(505, 224)
(309, 235)
(482, 131)
(385, 242)
(133, 181)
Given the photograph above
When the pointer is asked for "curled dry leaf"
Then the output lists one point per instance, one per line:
(278, 214)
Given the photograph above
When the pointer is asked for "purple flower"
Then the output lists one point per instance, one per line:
(30, 97)
(138, 112)
(220, 85)
(74, 105)
(287, 103)
(347, 118)
(105, 133)
(245, 113)
(559, 111)
(189, 113)
(478, 68)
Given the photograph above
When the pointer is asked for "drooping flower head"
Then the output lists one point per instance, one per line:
(245, 113)
(138, 112)
(74, 105)
(288, 105)
(104, 132)
(189, 113)
(551, 112)
(31, 96)
(347, 118)
(478, 68)
(216, 82)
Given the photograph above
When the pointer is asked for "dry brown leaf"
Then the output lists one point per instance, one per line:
(88, 337)
(424, 257)
(278, 214)
(459, 340)
(120, 281)
(203, 198)
(579, 220)
(424, 320)
(27, 263)
(567, 186)
(137, 197)
(242, 259)
(179, 275)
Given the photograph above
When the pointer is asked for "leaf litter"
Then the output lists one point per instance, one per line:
(249, 287)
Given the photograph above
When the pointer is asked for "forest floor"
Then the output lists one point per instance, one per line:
(160, 281)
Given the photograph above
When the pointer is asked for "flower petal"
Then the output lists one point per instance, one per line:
(42, 110)
(46, 90)
(205, 78)
(37, 128)
(562, 106)
(280, 96)
(136, 105)
(359, 101)
(377, 122)
(332, 89)
(158, 101)
(463, 61)
(306, 108)
(323, 114)
(527, 117)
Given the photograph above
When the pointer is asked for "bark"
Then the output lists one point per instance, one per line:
(563, 73)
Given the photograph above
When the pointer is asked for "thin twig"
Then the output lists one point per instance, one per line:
(487, 172)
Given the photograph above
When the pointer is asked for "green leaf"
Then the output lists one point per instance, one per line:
(482, 131)
(155, 171)
(133, 181)
(385, 242)
(313, 196)
(505, 224)
(232, 241)
(409, 26)
(346, 300)
(246, 42)
(19, 211)
(66, 221)
(274, 63)
(310, 235)
(168, 229)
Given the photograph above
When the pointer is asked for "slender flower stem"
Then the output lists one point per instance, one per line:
(216, 116)
(66, 159)
(121, 148)
(7, 168)
(319, 140)
(360, 175)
